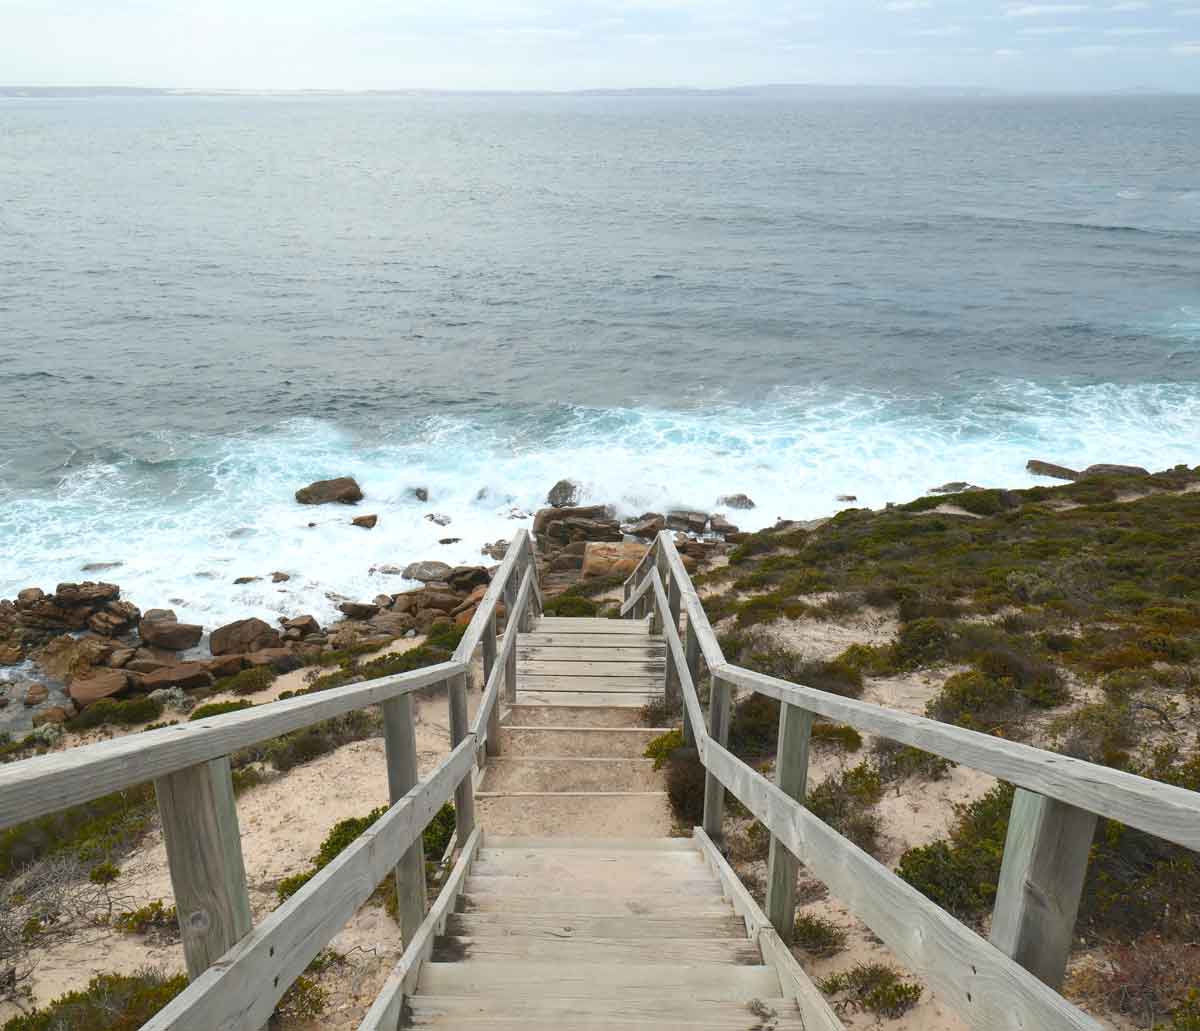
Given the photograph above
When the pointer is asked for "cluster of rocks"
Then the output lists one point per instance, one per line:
(450, 594)
(1061, 472)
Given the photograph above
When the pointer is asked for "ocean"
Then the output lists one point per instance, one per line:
(208, 302)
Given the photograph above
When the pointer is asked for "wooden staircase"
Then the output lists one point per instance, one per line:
(591, 933)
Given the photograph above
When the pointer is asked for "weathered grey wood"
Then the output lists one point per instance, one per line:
(241, 990)
(460, 730)
(651, 650)
(1159, 809)
(692, 713)
(587, 625)
(795, 982)
(400, 739)
(791, 774)
(204, 853)
(672, 617)
(489, 661)
(691, 654)
(709, 647)
(656, 668)
(714, 791)
(557, 639)
(1041, 880)
(989, 990)
(386, 1011)
(507, 574)
(45, 784)
(634, 600)
(512, 624)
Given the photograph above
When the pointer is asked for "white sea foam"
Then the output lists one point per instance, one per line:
(205, 511)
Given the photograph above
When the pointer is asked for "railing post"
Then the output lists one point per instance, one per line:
(673, 604)
(691, 655)
(492, 745)
(204, 853)
(718, 729)
(510, 627)
(1041, 880)
(400, 738)
(791, 774)
(460, 727)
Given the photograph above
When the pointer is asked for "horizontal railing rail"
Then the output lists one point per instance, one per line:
(239, 972)
(1006, 983)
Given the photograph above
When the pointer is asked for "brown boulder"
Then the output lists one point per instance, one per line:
(648, 526)
(278, 658)
(87, 593)
(11, 654)
(409, 601)
(393, 623)
(280, 578)
(367, 522)
(29, 597)
(546, 516)
(427, 572)
(1114, 470)
(602, 559)
(736, 501)
(687, 522)
(466, 578)
(120, 657)
(1057, 472)
(563, 494)
(564, 562)
(161, 629)
(358, 609)
(343, 490)
(65, 657)
(185, 675)
(465, 617)
(442, 601)
(35, 694)
(97, 685)
(224, 665)
(306, 624)
(719, 524)
(55, 714)
(244, 635)
(115, 618)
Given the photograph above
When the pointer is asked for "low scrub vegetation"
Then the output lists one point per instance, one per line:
(117, 713)
(818, 936)
(872, 988)
(111, 1002)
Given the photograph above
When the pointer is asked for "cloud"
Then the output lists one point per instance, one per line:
(939, 31)
(904, 6)
(1043, 10)
(1191, 49)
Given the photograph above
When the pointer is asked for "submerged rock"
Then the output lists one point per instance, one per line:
(343, 490)
(367, 522)
(427, 572)
(738, 501)
(563, 494)
(1057, 472)
(438, 518)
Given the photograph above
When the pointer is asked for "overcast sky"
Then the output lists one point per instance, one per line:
(560, 44)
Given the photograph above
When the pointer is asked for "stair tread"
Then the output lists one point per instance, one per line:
(548, 947)
(658, 905)
(500, 884)
(567, 926)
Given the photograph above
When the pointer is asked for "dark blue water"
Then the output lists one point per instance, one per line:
(206, 302)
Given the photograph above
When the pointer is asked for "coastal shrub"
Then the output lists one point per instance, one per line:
(748, 843)
(111, 1002)
(1039, 682)
(288, 751)
(218, 709)
(340, 835)
(895, 762)
(660, 711)
(104, 873)
(754, 728)
(873, 988)
(847, 801)
(870, 660)
(152, 916)
(836, 735)
(754, 544)
(662, 746)
(978, 702)
(818, 936)
(922, 642)
(1100, 732)
(571, 605)
(685, 786)
(1146, 980)
(436, 837)
(120, 713)
(305, 999)
(247, 681)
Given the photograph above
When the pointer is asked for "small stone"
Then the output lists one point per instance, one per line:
(367, 522)
(280, 578)
(246, 580)
(343, 490)
(450, 540)
(563, 494)
(420, 493)
(738, 501)
(56, 715)
(35, 694)
(438, 519)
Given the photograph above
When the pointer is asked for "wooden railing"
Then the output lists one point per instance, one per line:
(1006, 983)
(239, 972)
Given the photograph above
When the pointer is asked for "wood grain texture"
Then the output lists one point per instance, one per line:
(709, 648)
(45, 784)
(460, 731)
(386, 1011)
(1041, 880)
(1159, 809)
(492, 744)
(719, 702)
(507, 576)
(400, 740)
(239, 992)
(791, 774)
(987, 989)
(204, 854)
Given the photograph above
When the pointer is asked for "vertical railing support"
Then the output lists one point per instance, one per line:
(460, 727)
(791, 774)
(718, 729)
(492, 745)
(673, 603)
(691, 655)
(1041, 881)
(204, 853)
(510, 627)
(400, 739)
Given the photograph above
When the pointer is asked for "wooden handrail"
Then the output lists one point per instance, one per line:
(995, 987)
(520, 544)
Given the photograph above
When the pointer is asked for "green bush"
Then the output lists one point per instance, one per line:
(754, 729)
(847, 803)
(111, 1002)
(218, 709)
(571, 605)
(436, 837)
(685, 786)
(978, 702)
(922, 642)
(104, 873)
(120, 713)
(898, 762)
(662, 746)
(874, 988)
(817, 936)
(837, 735)
(152, 916)
(248, 681)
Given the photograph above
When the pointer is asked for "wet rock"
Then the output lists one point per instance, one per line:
(117, 617)
(367, 522)
(185, 675)
(29, 597)
(609, 559)
(342, 490)
(35, 694)
(450, 540)
(306, 624)
(563, 494)
(420, 493)
(1057, 472)
(243, 635)
(358, 610)
(55, 715)
(688, 522)
(1113, 470)
(241, 580)
(427, 571)
(466, 578)
(280, 578)
(438, 519)
(387, 570)
(741, 502)
(161, 628)
(649, 525)
(719, 524)
(847, 497)
(98, 684)
(100, 567)
(496, 550)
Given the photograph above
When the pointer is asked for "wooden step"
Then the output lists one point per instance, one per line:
(637, 682)
(555, 948)
(576, 653)
(592, 816)
(595, 742)
(662, 904)
(551, 927)
(565, 625)
(593, 716)
(767, 1013)
(589, 699)
(644, 668)
(500, 841)
(537, 860)
(521, 775)
(500, 980)
(564, 640)
(502, 884)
